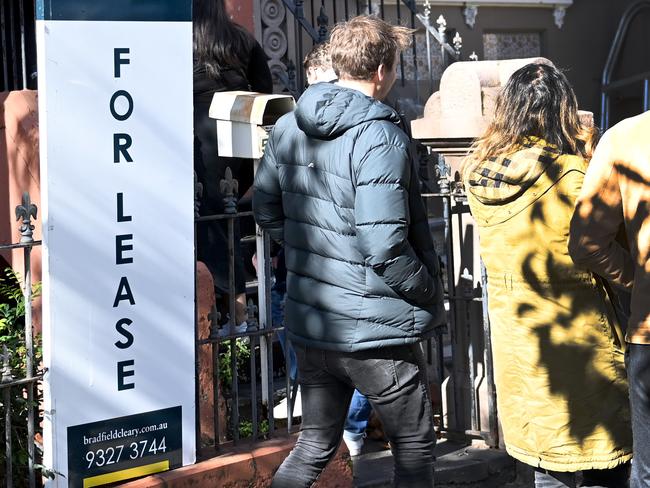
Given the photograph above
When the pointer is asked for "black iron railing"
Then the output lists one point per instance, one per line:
(20, 383)
(17, 45)
(308, 23)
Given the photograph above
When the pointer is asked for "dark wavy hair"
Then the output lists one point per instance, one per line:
(537, 101)
(219, 43)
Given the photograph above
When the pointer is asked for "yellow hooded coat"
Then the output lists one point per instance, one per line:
(562, 391)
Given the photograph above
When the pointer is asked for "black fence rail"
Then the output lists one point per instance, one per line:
(262, 380)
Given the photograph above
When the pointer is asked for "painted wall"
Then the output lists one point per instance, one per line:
(241, 12)
(19, 170)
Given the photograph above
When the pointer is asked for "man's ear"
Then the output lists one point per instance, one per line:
(380, 74)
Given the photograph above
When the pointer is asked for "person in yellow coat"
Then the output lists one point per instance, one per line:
(562, 392)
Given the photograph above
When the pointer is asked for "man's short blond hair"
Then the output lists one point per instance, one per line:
(318, 57)
(360, 45)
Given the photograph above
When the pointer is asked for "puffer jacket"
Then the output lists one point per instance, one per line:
(562, 391)
(337, 186)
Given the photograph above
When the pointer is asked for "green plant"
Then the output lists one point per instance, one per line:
(243, 352)
(246, 428)
(12, 336)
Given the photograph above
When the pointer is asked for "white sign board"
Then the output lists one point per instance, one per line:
(116, 141)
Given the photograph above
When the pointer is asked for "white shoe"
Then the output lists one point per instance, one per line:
(280, 410)
(353, 442)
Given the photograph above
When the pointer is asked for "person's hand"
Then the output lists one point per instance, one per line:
(274, 262)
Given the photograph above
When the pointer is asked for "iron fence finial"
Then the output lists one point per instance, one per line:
(458, 43)
(442, 25)
(322, 21)
(7, 377)
(26, 211)
(427, 11)
(229, 186)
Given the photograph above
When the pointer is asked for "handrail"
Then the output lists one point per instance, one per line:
(437, 36)
(613, 56)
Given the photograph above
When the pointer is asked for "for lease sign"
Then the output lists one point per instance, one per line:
(115, 107)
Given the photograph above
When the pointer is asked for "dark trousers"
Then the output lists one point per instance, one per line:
(592, 478)
(394, 380)
(638, 373)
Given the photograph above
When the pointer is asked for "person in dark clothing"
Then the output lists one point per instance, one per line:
(226, 58)
(338, 187)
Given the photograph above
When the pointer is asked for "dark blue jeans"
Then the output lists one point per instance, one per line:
(638, 373)
(394, 380)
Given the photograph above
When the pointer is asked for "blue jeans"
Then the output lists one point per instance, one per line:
(638, 373)
(394, 380)
(358, 415)
(278, 296)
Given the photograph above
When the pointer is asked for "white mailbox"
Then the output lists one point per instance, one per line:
(241, 120)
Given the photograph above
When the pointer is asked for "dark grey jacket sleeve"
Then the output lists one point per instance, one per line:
(267, 195)
(382, 222)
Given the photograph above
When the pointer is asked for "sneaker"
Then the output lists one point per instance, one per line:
(280, 410)
(354, 442)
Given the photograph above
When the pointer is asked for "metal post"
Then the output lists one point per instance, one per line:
(427, 36)
(489, 365)
(214, 344)
(263, 251)
(443, 175)
(25, 212)
(287, 362)
(12, 32)
(23, 61)
(468, 282)
(29, 346)
(442, 30)
(229, 188)
(604, 111)
(6, 399)
(252, 325)
(254, 415)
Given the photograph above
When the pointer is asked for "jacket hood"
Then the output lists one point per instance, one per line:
(502, 179)
(326, 110)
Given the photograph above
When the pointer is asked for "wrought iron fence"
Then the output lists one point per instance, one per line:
(21, 383)
(452, 354)
(468, 331)
(291, 27)
(225, 340)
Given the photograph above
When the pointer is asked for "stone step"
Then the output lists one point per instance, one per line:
(456, 465)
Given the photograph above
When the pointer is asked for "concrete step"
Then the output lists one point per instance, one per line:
(456, 465)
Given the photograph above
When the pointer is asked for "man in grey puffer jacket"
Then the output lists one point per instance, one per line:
(337, 186)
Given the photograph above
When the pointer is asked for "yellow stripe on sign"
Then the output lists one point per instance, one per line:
(126, 474)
